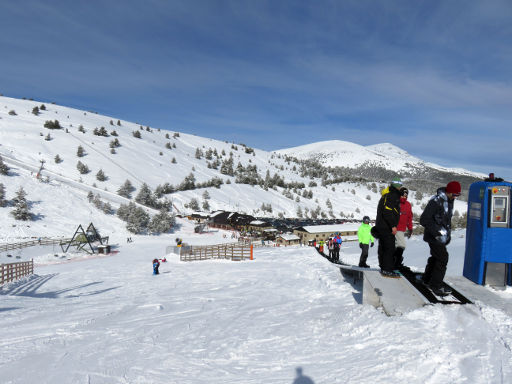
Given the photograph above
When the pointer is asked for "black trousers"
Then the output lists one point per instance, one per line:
(398, 257)
(364, 254)
(436, 264)
(386, 251)
(336, 253)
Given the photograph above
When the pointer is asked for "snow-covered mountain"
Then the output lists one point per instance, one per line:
(224, 175)
(337, 153)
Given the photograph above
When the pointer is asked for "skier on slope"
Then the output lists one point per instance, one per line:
(156, 265)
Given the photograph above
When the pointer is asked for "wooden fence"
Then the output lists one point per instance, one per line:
(31, 243)
(220, 251)
(14, 271)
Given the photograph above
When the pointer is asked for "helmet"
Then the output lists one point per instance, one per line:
(366, 219)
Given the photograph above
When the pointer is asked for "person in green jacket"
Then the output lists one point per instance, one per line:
(365, 238)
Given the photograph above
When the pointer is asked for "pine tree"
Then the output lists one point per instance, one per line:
(145, 196)
(82, 168)
(2, 195)
(100, 176)
(162, 222)
(206, 206)
(58, 159)
(107, 208)
(4, 169)
(35, 110)
(126, 189)
(193, 204)
(21, 210)
(138, 220)
(80, 151)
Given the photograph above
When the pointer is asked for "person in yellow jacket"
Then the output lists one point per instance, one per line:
(365, 239)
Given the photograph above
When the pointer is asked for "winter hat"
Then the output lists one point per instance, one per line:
(404, 191)
(397, 183)
(453, 187)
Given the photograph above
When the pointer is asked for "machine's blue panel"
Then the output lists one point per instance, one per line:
(489, 231)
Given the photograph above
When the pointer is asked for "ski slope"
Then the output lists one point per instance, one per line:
(109, 320)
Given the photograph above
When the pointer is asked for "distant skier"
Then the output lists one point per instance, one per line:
(156, 265)
(337, 246)
(330, 246)
(365, 238)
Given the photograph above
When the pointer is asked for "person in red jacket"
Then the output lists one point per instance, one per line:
(404, 229)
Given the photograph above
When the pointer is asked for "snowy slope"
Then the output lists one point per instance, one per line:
(150, 160)
(108, 320)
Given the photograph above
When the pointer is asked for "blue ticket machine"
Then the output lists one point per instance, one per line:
(488, 257)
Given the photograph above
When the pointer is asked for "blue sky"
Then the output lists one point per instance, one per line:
(432, 77)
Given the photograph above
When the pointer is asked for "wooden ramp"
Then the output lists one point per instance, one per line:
(395, 296)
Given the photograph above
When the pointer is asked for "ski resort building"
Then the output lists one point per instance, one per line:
(306, 234)
(287, 239)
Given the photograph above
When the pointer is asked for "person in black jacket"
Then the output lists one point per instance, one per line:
(436, 218)
(388, 215)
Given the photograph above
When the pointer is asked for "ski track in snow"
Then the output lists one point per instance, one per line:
(108, 320)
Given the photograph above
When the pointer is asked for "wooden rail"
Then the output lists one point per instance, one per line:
(31, 243)
(14, 271)
(234, 252)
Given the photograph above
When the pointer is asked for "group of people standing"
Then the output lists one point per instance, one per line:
(334, 245)
(394, 223)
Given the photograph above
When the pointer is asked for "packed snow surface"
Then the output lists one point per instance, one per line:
(287, 316)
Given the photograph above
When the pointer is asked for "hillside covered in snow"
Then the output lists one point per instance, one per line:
(83, 153)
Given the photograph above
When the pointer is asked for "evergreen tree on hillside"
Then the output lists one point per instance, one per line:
(126, 189)
(188, 183)
(137, 219)
(100, 176)
(145, 196)
(2, 195)
(52, 124)
(21, 210)
(57, 158)
(82, 168)
(193, 204)
(80, 151)
(162, 222)
(35, 110)
(4, 169)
